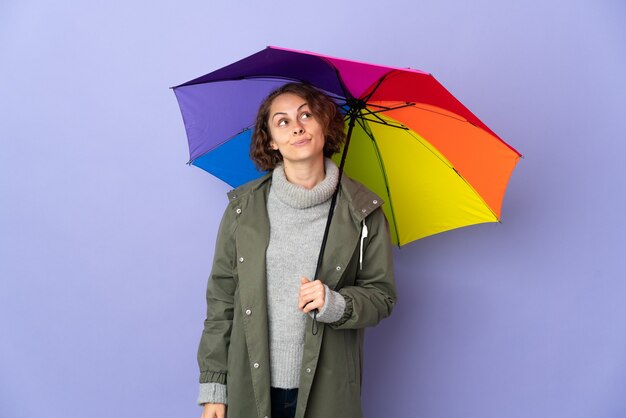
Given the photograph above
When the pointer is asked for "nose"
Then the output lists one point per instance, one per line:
(298, 129)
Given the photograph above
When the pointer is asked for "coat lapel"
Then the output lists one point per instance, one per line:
(343, 237)
(343, 240)
(345, 230)
(252, 238)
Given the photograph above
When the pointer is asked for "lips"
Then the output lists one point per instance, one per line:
(300, 142)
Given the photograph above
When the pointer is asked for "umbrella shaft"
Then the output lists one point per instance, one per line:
(353, 115)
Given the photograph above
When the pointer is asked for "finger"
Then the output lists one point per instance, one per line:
(309, 283)
(316, 304)
(311, 287)
(316, 289)
(207, 413)
(309, 297)
(311, 301)
(312, 297)
(303, 301)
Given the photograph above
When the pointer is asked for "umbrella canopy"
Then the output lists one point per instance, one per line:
(436, 165)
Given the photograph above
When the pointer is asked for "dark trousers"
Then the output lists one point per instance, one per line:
(284, 402)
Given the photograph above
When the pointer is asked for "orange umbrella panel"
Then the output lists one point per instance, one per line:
(435, 170)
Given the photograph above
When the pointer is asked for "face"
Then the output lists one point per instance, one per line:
(295, 132)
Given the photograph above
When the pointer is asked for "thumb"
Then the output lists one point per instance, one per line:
(304, 280)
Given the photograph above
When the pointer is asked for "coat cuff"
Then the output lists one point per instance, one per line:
(212, 377)
(334, 307)
(212, 392)
(347, 312)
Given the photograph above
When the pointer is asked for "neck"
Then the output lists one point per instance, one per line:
(304, 173)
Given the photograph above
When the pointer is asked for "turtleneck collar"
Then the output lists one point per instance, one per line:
(299, 197)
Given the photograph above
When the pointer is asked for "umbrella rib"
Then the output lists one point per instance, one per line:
(387, 108)
(412, 104)
(371, 93)
(346, 92)
(386, 181)
(408, 104)
(374, 113)
(379, 118)
(417, 138)
(460, 119)
(247, 128)
(477, 194)
(421, 141)
(449, 164)
(245, 77)
(386, 123)
(378, 106)
(274, 77)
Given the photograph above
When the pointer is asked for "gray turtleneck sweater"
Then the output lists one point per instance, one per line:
(297, 219)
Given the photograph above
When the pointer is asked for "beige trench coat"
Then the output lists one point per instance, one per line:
(234, 347)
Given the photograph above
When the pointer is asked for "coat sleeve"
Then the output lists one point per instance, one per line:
(373, 294)
(214, 343)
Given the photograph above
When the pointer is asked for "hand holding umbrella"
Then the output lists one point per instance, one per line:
(312, 295)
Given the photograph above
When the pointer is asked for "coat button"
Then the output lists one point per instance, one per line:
(375, 202)
(248, 312)
(238, 210)
(308, 370)
(256, 365)
(241, 259)
(363, 210)
(338, 268)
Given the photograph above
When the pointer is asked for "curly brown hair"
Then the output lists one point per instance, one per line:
(322, 107)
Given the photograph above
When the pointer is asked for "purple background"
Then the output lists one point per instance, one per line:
(106, 236)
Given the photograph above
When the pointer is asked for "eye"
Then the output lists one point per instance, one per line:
(282, 122)
(306, 115)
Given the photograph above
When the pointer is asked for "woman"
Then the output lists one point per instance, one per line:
(257, 353)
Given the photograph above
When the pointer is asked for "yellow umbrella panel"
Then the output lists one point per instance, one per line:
(435, 170)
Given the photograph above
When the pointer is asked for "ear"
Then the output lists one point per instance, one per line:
(273, 145)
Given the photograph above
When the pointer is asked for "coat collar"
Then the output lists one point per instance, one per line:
(361, 200)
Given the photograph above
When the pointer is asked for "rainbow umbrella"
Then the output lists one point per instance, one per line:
(434, 163)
